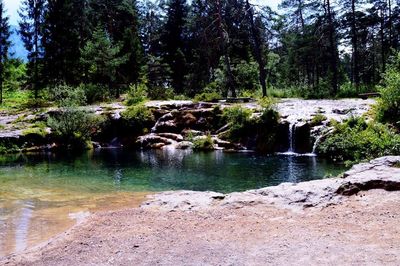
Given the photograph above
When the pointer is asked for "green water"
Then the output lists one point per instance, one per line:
(38, 193)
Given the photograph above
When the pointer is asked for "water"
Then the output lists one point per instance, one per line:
(43, 195)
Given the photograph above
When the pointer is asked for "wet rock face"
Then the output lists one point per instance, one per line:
(382, 173)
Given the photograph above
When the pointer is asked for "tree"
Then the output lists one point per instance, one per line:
(63, 39)
(4, 45)
(121, 23)
(174, 43)
(101, 58)
(259, 46)
(32, 15)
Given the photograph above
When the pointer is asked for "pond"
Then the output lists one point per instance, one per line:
(42, 195)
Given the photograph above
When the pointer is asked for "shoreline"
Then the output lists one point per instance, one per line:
(208, 222)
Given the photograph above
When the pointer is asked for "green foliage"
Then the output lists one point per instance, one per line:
(138, 118)
(160, 93)
(15, 74)
(137, 94)
(348, 90)
(203, 144)
(101, 58)
(208, 96)
(71, 124)
(246, 74)
(357, 140)
(38, 128)
(388, 108)
(74, 127)
(317, 120)
(67, 96)
(15, 100)
(95, 92)
(238, 118)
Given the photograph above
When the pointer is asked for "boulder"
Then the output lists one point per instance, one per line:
(184, 145)
(176, 137)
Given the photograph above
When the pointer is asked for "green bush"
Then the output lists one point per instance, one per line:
(317, 120)
(211, 96)
(357, 140)
(67, 96)
(388, 108)
(95, 92)
(348, 90)
(73, 127)
(238, 118)
(138, 118)
(203, 144)
(160, 93)
(137, 94)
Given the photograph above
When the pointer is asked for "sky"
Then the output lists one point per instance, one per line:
(12, 7)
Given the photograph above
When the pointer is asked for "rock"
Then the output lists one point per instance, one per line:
(167, 126)
(224, 144)
(193, 133)
(176, 137)
(184, 145)
(153, 141)
(157, 146)
(182, 200)
(381, 173)
(186, 120)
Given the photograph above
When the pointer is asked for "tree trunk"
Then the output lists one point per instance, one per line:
(333, 48)
(382, 33)
(257, 49)
(356, 77)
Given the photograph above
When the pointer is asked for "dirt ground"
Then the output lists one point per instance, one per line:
(363, 230)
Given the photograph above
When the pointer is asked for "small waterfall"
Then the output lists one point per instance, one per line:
(315, 146)
(292, 138)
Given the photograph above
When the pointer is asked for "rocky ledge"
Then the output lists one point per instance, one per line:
(381, 173)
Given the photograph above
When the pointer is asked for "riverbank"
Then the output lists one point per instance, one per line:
(351, 220)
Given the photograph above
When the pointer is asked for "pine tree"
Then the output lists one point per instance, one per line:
(32, 15)
(66, 31)
(101, 59)
(4, 45)
(174, 42)
(120, 20)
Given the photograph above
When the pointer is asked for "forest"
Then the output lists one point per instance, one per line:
(209, 49)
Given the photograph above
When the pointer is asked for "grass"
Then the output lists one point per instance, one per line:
(15, 100)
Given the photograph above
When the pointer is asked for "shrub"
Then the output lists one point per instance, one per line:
(138, 118)
(238, 118)
(67, 96)
(203, 143)
(137, 94)
(160, 93)
(388, 108)
(317, 120)
(73, 127)
(95, 92)
(211, 96)
(357, 140)
(348, 90)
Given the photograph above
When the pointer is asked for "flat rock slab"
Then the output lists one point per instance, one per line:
(381, 173)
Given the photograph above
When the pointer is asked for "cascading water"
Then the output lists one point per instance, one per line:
(315, 146)
(292, 135)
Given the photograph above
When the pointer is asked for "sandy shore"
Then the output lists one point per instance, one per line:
(363, 230)
(350, 221)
